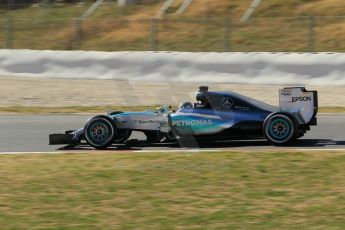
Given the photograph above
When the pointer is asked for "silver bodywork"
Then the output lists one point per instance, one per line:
(156, 120)
(144, 121)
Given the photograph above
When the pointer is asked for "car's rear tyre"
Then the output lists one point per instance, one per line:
(280, 129)
(100, 132)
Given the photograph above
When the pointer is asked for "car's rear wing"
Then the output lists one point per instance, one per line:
(303, 104)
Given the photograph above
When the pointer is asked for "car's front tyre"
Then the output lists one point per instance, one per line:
(100, 132)
(280, 129)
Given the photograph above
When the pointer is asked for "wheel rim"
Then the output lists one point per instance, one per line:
(280, 129)
(99, 132)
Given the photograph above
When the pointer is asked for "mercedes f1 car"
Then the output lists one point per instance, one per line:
(215, 116)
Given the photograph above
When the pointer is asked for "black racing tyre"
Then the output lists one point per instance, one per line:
(100, 132)
(280, 129)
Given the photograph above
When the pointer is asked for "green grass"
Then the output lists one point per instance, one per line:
(102, 109)
(216, 190)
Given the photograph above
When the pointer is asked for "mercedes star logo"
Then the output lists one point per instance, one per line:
(227, 102)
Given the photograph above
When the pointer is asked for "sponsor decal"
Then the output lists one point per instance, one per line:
(144, 122)
(151, 122)
(305, 98)
(182, 123)
(241, 107)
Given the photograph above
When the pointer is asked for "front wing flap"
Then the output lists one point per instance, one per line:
(68, 138)
(61, 139)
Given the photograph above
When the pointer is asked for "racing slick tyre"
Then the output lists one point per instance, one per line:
(100, 132)
(280, 129)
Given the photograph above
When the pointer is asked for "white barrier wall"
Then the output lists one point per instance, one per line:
(244, 68)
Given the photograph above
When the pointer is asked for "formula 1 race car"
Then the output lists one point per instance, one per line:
(215, 116)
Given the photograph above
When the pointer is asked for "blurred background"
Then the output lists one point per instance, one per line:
(174, 25)
(306, 26)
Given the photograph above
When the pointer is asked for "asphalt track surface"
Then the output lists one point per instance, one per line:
(29, 133)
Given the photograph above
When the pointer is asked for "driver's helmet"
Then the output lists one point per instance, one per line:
(163, 109)
(185, 105)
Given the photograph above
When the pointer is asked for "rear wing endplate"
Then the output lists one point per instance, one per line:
(303, 104)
